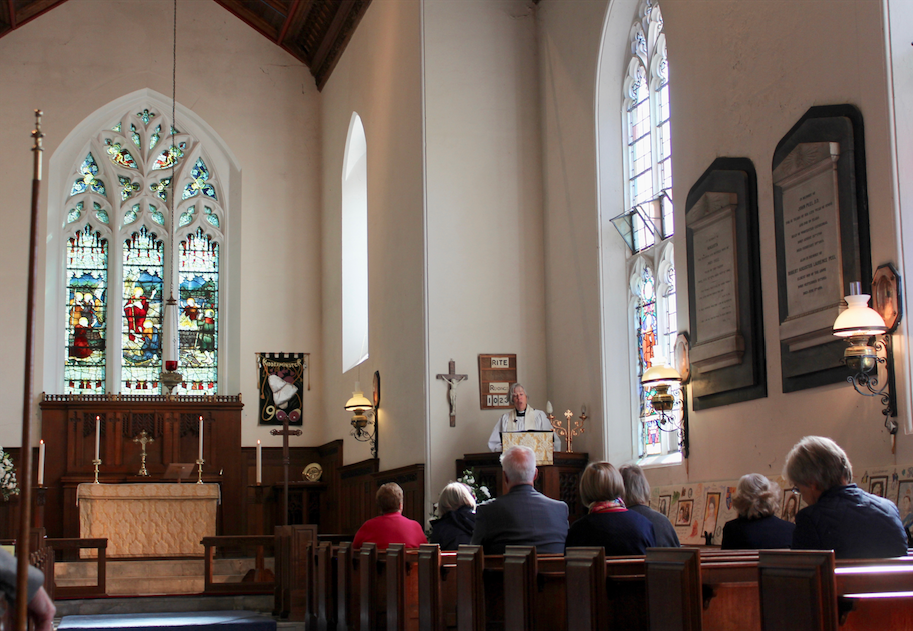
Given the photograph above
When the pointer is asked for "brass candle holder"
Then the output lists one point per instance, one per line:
(200, 471)
(567, 431)
(96, 462)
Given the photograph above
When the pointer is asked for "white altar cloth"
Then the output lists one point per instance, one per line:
(148, 520)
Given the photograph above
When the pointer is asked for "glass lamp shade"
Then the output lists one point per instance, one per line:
(358, 401)
(660, 374)
(859, 319)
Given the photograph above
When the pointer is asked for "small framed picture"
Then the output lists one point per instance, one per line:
(878, 484)
(683, 518)
(790, 506)
(664, 502)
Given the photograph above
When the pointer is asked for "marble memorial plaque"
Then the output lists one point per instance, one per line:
(715, 277)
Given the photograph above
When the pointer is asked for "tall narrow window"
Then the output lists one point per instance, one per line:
(145, 210)
(355, 247)
(651, 268)
(86, 319)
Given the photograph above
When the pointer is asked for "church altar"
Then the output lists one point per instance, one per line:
(148, 520)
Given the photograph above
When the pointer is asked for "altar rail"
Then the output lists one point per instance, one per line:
(670, 589)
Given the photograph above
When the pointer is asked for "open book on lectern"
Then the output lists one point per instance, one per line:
(540, 441)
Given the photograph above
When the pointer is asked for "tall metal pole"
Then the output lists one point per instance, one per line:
(25, 452)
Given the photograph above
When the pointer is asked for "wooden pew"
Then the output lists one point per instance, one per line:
(813, 591)
(719, 591)
(325, 583)
(347, 588)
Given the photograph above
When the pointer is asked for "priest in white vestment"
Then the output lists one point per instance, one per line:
(520, 419)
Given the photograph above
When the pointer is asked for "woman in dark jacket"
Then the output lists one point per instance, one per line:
(457, 519)
(637, 499)
(757, 527)
(609, 524)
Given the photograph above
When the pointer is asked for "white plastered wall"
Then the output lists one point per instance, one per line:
(379, 77)
(263, 105)
(485, 250)
(742, 73)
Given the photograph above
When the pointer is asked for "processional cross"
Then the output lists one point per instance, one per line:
(285, 432)
(453, 380)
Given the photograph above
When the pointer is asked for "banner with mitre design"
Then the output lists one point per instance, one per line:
(281, 380)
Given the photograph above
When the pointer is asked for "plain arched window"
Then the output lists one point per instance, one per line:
(143, 218)
(355, 247)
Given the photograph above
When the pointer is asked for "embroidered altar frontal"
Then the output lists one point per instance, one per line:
(148, 520)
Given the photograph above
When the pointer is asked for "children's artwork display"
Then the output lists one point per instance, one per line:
(705, 507)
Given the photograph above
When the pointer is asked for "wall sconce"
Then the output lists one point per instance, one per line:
(362, 407)
(660, 379)
(859, 324)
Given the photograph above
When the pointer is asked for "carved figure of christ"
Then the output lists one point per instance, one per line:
(453, 380)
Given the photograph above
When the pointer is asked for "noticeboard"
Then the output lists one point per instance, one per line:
(496, 373)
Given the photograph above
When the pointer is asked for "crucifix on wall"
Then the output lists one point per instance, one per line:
(453, 380)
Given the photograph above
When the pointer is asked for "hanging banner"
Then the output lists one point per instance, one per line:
(281, 381)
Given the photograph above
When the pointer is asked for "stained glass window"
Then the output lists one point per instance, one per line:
(143, 268)
(198, 321)
(87, 287)
(142, 259)
(649, 176)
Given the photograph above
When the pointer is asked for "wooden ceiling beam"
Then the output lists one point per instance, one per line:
(288, 22)
(12, 13)
(339, 18)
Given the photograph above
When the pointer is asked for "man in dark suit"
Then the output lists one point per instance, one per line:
(521, 516)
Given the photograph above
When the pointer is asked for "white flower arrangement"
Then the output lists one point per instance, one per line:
(479, 491)
(8, 485)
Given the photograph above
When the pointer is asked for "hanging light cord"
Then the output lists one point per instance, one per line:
(174, 64)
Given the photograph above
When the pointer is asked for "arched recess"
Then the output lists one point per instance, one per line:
(355, 302)
(218, 158)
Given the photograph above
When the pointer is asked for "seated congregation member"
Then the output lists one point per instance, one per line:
(637, 499)
(522, 516)
(840, 516)
(390, 526)
(457, 519)
(609, 524)
(757, 500)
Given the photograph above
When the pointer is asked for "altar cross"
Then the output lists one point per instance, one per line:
(285, 432)
(453, 380)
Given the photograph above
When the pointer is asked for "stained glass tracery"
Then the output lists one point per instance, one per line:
(141, 257)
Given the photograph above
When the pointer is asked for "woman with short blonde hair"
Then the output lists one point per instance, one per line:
(609, 523)
(757, 527)
(454, 527)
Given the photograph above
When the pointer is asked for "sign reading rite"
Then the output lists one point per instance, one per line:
(496, 373)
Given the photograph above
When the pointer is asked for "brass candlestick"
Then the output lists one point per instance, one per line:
(142, 439)
(568, 432)
(96, 462)
(200, 472)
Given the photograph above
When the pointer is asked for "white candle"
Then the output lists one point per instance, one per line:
(97, 435)
(259, 464)
(201, 438)
(548, 407)
(40, 463)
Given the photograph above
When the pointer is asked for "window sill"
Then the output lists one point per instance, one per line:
(661, 460)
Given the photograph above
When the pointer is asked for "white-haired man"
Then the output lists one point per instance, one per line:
(521, 418)
(521, 516)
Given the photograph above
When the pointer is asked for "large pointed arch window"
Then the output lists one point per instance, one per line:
(143, 218)
(648, 225)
